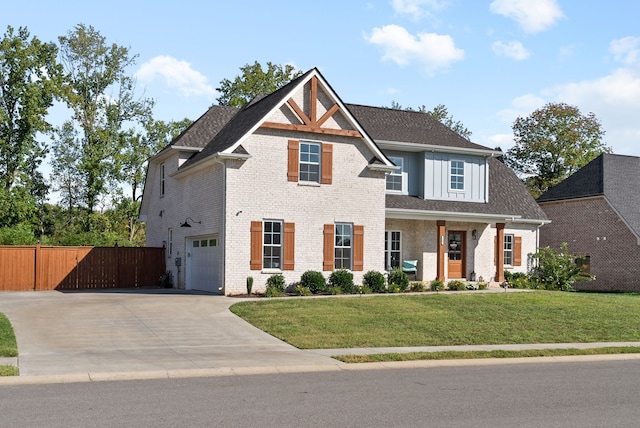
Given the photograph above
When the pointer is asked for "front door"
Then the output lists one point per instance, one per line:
(456, 254)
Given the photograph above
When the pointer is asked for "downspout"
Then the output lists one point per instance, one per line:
(223, 229)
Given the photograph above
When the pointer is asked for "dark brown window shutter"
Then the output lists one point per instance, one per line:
(329, 230)
(326, 163)
(517, 250)
(256, 245)
(358, 248)
(293, 160)
(289, 246)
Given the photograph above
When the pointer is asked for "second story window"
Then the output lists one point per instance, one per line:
(394, 179)
(161, 179)
(310, 162)
(456, 175)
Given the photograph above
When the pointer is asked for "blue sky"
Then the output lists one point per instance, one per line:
(488, 61)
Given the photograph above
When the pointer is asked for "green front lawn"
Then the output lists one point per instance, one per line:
(8, 345)
(447, 319)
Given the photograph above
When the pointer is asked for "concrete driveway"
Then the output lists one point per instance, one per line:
(127, 331)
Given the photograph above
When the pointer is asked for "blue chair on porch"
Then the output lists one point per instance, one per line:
(410, 267)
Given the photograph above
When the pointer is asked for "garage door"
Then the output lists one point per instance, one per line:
(202, 259)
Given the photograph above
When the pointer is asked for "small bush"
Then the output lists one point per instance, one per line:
(394, 288)
(374, 280)
(457, 285)
(364, 289)
(314, 281)
(399, 279)
(334, 290)
(482, 286)
(249, 284)
(518, 280)
(275, 286)
(436, 285)
(342, 279)
(557, 269)
(300, 290)
(417, 286)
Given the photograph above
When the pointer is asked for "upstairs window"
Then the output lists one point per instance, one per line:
(456, 175)
(394, 179)
(161, 179)
(310, 162)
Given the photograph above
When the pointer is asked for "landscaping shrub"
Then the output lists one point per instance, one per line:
(334, 290)
(364, 289)
(314, 281)
(417, 286)
(436, 285)
(518, 280)
(557, 270)
(457, 285)
(275, 286)
(301, 290)
(398, 279)
(249, 284)
(482, 286)
(343, 279)
(374, 280)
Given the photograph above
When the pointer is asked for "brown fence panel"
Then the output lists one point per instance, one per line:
(70, 268)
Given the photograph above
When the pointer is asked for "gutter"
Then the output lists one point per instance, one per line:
(216, 157)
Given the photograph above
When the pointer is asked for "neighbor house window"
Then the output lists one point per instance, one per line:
(508, 249)
(272, 244)
(343, 235)
(394, 179)
(170, 240)
(161, 179)
(456, 175)
(392, 245)
(310, 162)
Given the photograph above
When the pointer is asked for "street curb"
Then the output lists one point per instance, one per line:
(244, 371)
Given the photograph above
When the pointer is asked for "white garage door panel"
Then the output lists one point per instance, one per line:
(203, 264)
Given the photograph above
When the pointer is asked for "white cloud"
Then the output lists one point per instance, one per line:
(176, 74)
(432, 51)
(521, 106)
(532, 15)
(417, 8)
(513, 50)
(626, 50)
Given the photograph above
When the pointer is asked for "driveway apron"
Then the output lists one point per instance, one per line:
(138, 330)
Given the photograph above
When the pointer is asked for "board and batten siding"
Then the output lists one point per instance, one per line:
(436, 177)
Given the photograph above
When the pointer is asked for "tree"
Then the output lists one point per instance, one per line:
(552, 143)
(441, 114)
(255, 81)
(29, 81)
(101, 95)
(557, 270)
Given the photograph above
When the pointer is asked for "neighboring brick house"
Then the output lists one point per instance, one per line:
(596, 211)
(297, 180)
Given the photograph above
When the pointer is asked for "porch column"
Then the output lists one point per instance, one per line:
(499, 249)
(440, 252)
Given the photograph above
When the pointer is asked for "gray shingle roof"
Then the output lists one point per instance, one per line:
(507, 196)
(384, 124)
(205, 127)
(617, 177)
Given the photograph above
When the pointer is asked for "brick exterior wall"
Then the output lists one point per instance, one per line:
(591, 227)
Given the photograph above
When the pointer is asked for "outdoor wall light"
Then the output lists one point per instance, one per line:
(474, 234)
(186, 222)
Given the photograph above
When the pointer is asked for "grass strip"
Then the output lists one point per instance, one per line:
(431, 319)
(8, 371)
(8, 344)
(462, 355)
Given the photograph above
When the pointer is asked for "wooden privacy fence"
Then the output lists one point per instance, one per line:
(25, 268)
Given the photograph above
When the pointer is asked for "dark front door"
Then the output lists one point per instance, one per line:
(456, 254)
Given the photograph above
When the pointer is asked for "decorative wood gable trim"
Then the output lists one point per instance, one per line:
(311, 122)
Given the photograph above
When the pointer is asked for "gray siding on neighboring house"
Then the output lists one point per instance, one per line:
(437, 168)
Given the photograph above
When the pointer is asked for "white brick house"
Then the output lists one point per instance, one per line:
(298, 180)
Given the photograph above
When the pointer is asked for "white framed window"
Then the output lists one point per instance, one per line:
(272, 244)
(343, 246)
(392, 249)
(309, 162)
(170, 241)
(395, 178)
(162, 181)
(456, 175)
(508, 249)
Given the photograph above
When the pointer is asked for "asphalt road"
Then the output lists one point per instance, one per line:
(587, 394)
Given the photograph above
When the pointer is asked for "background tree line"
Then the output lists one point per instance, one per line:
(99, 153)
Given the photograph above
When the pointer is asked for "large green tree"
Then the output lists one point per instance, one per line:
(255, 81)
(441, 114)
(552, 143)
(29, 80)
(101, 95)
